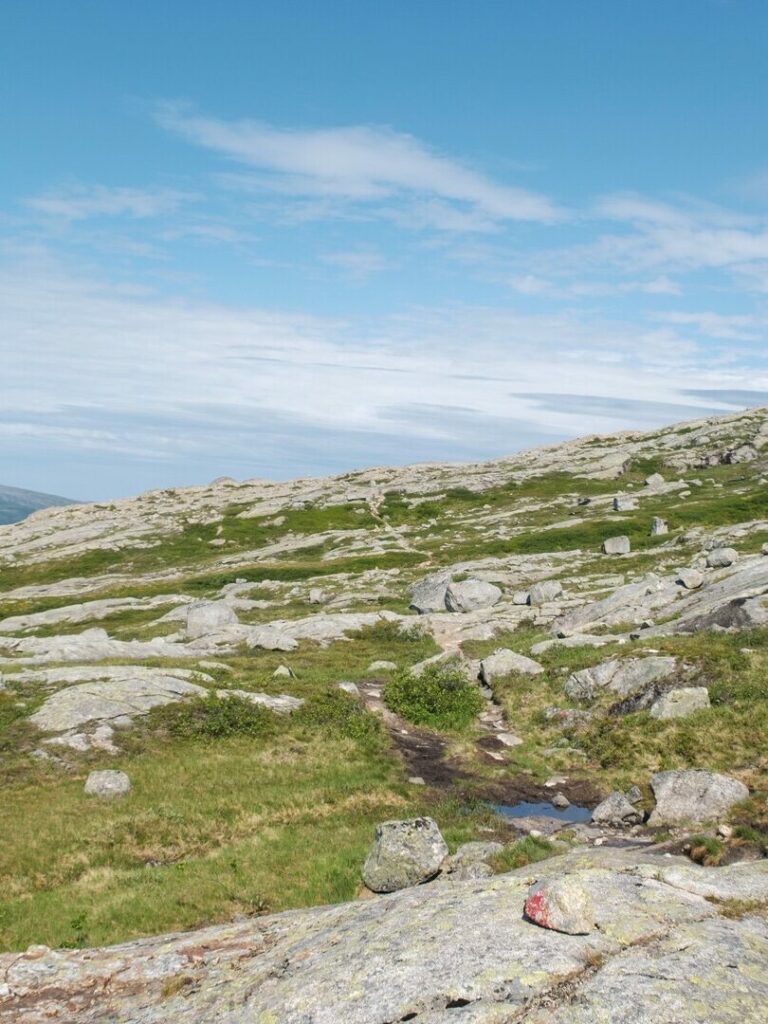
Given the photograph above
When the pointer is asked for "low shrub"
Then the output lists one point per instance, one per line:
(340, 714)
(441, 697)
(215, 717)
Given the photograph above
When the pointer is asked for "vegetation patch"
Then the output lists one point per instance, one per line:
(441, 697)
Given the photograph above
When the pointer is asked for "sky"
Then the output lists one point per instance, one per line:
(295, 238)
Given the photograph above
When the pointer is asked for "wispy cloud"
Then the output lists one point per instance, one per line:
(358, 163)
(739, 327)
(358, 264)
(86, 348)
(80, 202)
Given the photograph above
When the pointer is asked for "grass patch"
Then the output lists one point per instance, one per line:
(529, 850)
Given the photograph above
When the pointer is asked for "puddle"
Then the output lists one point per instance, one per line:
(572, 813)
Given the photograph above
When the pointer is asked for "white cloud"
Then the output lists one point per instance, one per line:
(360, 163)
(740, 327)
(358, 264)
(80, 202)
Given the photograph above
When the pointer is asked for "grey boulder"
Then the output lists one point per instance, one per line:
(616, 545)
(691, 579)
(429, 594)
(616, 811)
(693, 796)
(204, 617)
(107, 784)
(625, 677)
(471, 595)
(721, 558)
(681, 702)
(544, 591)
(404, 853)
(504, 662)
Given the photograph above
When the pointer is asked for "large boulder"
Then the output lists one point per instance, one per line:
(107, 784)
(404, 853)
(504, 662)
(625, 677)
(616, 811)
(204, 617)
(470, 595)
(428, 595)
(681, 702)
(693, 796)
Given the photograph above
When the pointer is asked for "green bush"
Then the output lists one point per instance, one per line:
(214, 717)
(338, 713)
(440, 697)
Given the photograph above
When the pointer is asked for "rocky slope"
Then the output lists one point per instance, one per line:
(580, 632)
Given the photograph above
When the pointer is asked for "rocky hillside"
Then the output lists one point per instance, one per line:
(210, 698)
(16, 504)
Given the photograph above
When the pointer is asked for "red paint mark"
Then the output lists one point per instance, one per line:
(536, 909)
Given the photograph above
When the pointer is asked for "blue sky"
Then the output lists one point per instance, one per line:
(280, 239)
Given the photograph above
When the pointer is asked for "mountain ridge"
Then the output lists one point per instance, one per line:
(16, 503)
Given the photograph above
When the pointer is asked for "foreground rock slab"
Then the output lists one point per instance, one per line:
(659, 954)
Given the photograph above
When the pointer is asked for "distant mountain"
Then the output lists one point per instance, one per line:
(16, 504)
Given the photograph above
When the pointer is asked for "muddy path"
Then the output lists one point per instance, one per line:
(425, 758)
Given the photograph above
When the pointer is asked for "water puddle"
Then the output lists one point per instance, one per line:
(523, 809)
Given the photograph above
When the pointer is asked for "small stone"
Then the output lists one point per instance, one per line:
(107, 784)
(36, 951)
(555, 780)
(317, 596)
(560, 801)
(284, 672)
(624, 504)
(416, 780)
(691, 579)
(508, 739)
(562, 905)
(654, 480)
(350, 688)
(382, 666)
(634, 794)
(659, 526)
(520, 597)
